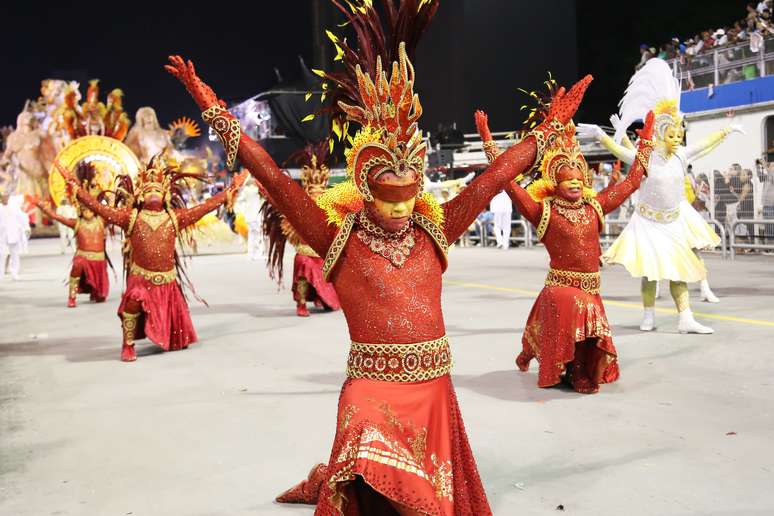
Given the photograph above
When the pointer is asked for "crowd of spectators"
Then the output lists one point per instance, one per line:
(753, 28)
(736, 194)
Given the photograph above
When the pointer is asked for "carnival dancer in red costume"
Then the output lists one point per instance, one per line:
(400, 444)
(88, 274)
(309, 283)
(152, 213)
(567, 327)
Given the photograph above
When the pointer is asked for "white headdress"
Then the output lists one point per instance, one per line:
(653, 88)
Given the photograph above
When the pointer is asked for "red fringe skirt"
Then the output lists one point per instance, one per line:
(310, 268)
(94, 278)
(560, 317)
(165, 318)
(406, 442)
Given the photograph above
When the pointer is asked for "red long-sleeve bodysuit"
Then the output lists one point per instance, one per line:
(568, 312)
(152, 283)
(417, 424)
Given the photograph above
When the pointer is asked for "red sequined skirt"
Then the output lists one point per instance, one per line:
(405, 442)
(560, 318)
(165, 319)
(310, 268)
(94, 278)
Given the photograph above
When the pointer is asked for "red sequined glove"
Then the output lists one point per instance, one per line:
(490, 147)
(214, 112)
(560, 112)
(185, 72)
(645, 145)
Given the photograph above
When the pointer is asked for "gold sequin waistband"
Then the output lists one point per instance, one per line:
(588, 282)
(91, 255)
(660, 216)
(417, 362)
(155, 277)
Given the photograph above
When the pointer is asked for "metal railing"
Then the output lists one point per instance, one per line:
(734, 245)
(724, 65)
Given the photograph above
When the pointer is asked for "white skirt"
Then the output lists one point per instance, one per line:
(664, 251)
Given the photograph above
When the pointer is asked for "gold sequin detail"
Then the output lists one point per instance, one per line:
(91, 255)
(588, 282)
(400, 362)
(338, 244)
(660, 216)
(155, 277)
(227, 127)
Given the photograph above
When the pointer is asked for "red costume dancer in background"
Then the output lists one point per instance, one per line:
(567, 327)
(88, 274)
(309, 283)
(400, 442)
(153, 304)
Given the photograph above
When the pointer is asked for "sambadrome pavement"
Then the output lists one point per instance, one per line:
(223, 427)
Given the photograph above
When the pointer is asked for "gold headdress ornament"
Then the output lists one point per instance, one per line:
(157, 176)
(385, 107)
(667, 114)
(314, 176)
(390, 140)
(565, 152)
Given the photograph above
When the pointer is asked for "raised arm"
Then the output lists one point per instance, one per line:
(625, 153)
(613, 196)
(287, 195)
(46, 208)
(708, 144)
(189, 216)
(460, 212)
(529, 208)
(119, 217)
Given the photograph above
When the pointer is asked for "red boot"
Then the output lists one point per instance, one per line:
(302, 310)
(307, 491)
(127, 353)
(129, 327)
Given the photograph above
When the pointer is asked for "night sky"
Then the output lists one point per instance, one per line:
(125, 44)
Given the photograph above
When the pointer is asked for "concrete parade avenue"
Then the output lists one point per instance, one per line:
(223, 427)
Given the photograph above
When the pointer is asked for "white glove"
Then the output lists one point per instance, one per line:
(615, 120)
(590, 131)
(736, 128)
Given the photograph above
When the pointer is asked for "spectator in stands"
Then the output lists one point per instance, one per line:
(767, 199)
(744, 194)
(723, 195)
(645, 56)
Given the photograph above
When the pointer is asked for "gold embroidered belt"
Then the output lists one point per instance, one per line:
(588, 282)
(417, 362)
(155, 277)
(660, 216)
(91, 255)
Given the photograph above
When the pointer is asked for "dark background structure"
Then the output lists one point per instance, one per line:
(475, 54)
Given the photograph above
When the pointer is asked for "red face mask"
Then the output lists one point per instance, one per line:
(570, 187)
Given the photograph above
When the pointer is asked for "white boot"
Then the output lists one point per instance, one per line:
(688, 324)
(648, 319)
(707, 294)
